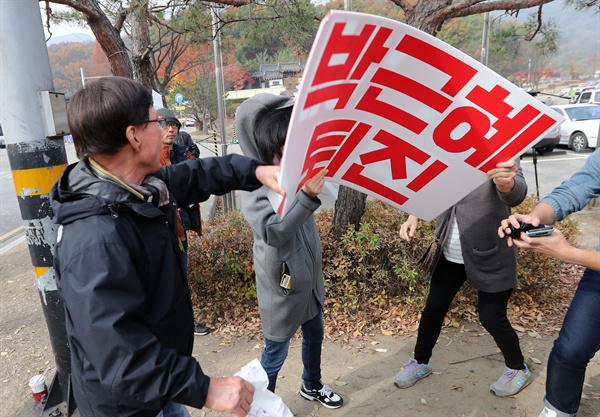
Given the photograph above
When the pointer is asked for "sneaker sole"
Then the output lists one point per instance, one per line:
(311, 398)
(414, 382)
(525, 385)
(201, 334)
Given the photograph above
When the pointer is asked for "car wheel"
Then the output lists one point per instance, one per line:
(579, 142)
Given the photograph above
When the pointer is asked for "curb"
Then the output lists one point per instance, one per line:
(13, 233)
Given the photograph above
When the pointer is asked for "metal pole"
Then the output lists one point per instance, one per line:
(82, 77)
(36, 163)
(537, 185)
(220, 96)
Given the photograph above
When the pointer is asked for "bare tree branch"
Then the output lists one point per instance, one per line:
(538, 27)
(468, 8)
(74, 4)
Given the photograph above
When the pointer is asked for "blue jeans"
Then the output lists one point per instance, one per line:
(174, 410)
(312, 339)
(577, 343)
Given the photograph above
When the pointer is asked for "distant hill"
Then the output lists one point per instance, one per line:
(74, 37)
(579, 41)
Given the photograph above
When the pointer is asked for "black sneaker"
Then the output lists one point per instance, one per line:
(324, 395)
(200, 329)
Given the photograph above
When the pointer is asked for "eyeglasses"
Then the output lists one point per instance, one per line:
(163, 123)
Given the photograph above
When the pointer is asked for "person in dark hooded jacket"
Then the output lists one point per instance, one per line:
(120, 265)
(174, 153)
(287, 252)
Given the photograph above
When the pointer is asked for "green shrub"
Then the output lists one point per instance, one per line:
(221, 270)
(368, 270)
(370, 275)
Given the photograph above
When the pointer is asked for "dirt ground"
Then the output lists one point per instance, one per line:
(465, 362)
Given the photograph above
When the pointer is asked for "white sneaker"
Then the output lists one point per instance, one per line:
(546, 412)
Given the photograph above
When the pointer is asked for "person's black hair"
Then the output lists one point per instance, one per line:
(99, 114)
(270, 130)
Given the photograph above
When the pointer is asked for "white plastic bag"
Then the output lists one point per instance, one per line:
(265, 403)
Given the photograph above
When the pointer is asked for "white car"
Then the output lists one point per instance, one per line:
(188, 121)
(565, 91)
(579, 131)
(589, 97)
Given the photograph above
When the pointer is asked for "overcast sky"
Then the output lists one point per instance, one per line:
(61, 29)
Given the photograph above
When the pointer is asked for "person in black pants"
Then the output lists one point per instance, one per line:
(472, 252)
(174, 153)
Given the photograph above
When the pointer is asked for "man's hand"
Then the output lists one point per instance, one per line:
(409, 227)
(313, 186)
(231, 394)
(267, 175)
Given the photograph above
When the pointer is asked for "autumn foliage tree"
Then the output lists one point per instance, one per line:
(68, 59)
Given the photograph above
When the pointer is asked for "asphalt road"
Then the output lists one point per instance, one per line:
(552, 169)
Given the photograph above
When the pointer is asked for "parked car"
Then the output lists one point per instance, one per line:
(548, 142)
(589, 97)
(580, 128)
(2, 142)
(189, 121)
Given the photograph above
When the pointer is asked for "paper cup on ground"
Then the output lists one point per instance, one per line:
(38, 387)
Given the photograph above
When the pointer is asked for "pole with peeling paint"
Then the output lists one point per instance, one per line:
(36, 162)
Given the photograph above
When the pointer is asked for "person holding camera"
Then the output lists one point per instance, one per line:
(287, 252)
(579, 338)
(473, 253)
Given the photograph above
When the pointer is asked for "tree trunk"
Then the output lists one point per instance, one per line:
(109, 39)
(426, 15)
(349, 208)
(140, 43)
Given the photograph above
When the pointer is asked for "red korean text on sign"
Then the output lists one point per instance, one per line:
(397, 151)
(516, 131)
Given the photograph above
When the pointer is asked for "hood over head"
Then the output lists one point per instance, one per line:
(246, 114)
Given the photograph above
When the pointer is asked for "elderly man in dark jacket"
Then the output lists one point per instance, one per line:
(121, 266)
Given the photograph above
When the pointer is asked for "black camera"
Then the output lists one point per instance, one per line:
(515, 232)
(529, 230)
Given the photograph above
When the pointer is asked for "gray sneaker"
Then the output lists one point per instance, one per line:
(511, 382)
(411, 372)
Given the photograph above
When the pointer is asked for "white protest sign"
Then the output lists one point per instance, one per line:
(402, 116)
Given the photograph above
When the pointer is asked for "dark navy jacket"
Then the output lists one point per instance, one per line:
(121, 273)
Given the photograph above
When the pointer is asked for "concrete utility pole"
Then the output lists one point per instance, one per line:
(27, 107)
(229, 198)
